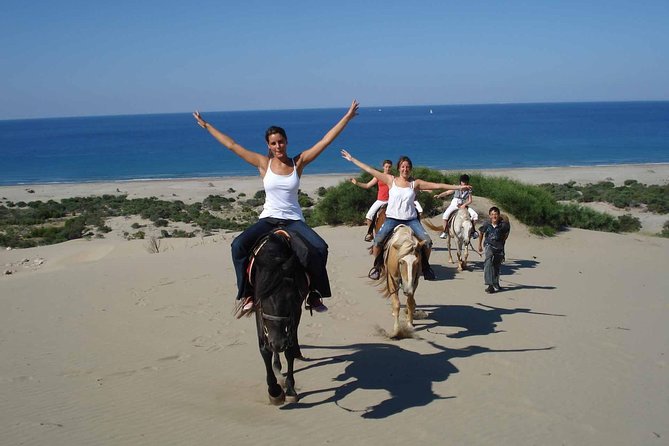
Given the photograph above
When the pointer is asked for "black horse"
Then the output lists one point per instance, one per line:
(280, 285)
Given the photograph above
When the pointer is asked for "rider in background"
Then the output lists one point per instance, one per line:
(381, 197)
(401, 208)
(460, 198)
(281, 180)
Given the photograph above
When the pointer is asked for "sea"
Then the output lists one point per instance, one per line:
(449, 137)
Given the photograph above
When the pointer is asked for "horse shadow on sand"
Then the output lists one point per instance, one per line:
(473, 321)
(406, 376)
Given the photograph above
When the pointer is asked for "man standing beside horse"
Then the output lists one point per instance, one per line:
(493, 237)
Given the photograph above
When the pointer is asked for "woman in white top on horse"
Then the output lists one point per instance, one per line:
(401, 208)
(281, 180)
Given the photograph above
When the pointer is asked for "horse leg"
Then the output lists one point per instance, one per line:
(466, 256)
(448, 242)
(291, 394)
(277, 362)
(411, 308)
(459, 253)
(395, 301)
(276, 394)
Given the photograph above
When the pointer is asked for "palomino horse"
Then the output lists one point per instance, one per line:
(280, 286)
(460, 228)
(402, 268)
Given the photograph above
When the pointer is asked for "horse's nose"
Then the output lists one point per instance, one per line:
(279, 345)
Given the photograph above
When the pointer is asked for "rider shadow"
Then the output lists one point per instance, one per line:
(473, 321)
(405, 375)
(442, 272)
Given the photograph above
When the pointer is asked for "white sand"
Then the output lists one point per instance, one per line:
(104, 343)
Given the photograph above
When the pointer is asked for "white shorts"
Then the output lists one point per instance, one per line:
(454, 206)
(375, 207)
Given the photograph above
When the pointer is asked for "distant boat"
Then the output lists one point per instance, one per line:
(379, 109)
(430, 111)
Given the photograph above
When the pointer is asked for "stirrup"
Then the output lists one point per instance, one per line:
(374, 273)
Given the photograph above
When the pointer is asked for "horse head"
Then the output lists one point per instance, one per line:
(281, 285)
(408, 251)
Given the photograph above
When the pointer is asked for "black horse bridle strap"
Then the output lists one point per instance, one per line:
(270, 317)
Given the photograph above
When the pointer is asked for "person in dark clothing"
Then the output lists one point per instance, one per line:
(493, 238)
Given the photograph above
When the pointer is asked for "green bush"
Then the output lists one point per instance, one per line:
(665, 230)
(628, 223)
(344, 204)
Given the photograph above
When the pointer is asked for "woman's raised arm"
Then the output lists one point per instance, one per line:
(426, 185)
(384, 177)
(311, 154)
(253, 158)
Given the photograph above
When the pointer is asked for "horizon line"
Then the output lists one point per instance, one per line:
(336, 108)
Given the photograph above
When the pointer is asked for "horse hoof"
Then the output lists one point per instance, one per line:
(277, 400)
(292, 398)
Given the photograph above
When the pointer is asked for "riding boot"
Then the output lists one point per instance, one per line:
(375, 272)
(369, 236)
(428, 273)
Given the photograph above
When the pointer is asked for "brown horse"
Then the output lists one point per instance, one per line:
(379, 219)
(402, 268)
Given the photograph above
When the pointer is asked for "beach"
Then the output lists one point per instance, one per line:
(106, 343)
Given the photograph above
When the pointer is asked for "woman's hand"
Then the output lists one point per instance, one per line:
(347, 156)
(201, 122)
(353, 110)
(467, 187)
(354, 181)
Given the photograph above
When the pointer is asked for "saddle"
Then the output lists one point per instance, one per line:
(295, 243)
(285, 236)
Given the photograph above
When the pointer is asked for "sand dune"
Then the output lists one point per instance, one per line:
(106, 344)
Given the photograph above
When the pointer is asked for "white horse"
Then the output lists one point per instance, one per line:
(460, 228)
(402, 268)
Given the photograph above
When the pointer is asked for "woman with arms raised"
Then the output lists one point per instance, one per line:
(281, 179)
(401, 208)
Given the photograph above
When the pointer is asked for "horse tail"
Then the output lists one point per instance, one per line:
(432, 226)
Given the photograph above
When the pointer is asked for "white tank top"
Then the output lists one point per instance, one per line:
(281, 195)
(401, 202)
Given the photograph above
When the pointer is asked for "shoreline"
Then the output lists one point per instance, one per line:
(488, 171)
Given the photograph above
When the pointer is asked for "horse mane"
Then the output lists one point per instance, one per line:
(276, 265)
(404, 241)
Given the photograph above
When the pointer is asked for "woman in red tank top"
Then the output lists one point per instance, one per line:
(381, 197)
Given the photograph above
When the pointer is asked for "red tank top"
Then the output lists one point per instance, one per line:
(383, 191)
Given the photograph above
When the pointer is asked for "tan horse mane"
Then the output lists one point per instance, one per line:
(400, 244)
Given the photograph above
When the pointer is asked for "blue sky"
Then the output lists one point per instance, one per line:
(74, 58)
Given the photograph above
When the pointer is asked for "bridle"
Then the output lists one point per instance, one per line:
(270, 317)
(290, 320)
